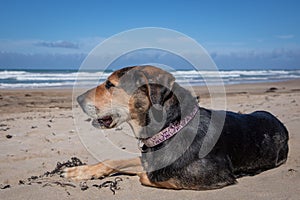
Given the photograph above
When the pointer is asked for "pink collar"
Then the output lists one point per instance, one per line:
(170, 131)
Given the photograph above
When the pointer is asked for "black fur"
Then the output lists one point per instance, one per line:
(248, 145)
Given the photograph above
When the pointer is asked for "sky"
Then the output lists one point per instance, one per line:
(59, 34)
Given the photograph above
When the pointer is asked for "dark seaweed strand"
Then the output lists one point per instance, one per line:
(83, 186)
(60, 166)
(3, 187)
(111, 184)
(58, 170)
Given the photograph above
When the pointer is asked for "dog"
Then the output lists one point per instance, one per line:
(172, 129)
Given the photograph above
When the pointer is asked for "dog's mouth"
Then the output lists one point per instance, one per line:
(106, 121)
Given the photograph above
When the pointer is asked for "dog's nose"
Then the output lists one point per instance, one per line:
(80, 99)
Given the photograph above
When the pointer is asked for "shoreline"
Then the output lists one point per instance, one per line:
(85, 88)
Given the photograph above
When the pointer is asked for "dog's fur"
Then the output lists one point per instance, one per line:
(248, 143)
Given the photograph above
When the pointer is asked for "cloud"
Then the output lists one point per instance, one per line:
(36, 46)
(10, 60)
(58, 44)
(225, 44)
(285, 37)
(272, 59)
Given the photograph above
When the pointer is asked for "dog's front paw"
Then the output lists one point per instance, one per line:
(78, 173)
(86, 172)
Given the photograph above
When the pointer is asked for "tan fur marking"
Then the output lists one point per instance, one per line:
(169, 184)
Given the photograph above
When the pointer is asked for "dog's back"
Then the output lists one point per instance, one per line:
(254, 142)
(248, 145)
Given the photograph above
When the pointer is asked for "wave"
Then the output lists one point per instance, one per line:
(40, 79)
(34, 85)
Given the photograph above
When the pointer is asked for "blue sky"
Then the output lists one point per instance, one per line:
(237, 34)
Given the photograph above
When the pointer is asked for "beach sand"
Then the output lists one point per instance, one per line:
(39, 128)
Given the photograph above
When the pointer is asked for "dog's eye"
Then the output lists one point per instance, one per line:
(108, 85)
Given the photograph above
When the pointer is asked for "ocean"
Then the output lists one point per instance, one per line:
(18, 79)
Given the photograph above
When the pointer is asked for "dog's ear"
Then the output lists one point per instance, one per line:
(157, 83)
(133, 80)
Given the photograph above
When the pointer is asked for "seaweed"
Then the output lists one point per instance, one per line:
(3, 187)
(74, 162)
(111, 184)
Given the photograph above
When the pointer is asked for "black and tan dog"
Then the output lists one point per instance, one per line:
(160, 112)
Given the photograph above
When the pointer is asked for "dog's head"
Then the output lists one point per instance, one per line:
(127, 95)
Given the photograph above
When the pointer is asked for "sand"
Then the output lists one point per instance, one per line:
(38, 128)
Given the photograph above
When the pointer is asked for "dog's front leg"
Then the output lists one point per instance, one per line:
(105, 168)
